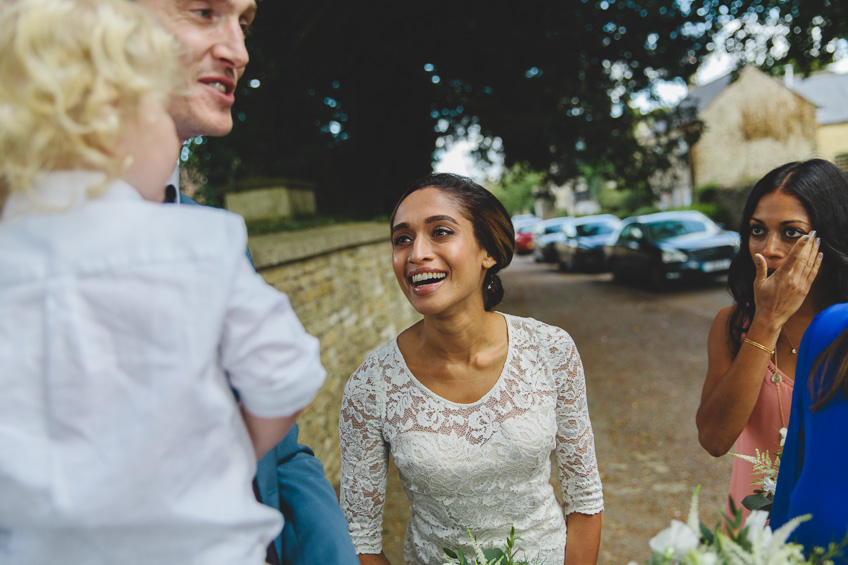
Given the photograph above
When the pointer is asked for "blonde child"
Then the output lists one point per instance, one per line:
(125, 324)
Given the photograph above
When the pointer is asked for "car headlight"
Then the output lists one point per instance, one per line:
(674, 256)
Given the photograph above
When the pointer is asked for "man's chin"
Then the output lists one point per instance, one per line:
(195, 120)
(208, 129)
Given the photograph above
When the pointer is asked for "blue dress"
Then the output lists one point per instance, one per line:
(815, 459)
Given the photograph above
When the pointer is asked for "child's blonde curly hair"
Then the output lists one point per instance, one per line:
(72, 72)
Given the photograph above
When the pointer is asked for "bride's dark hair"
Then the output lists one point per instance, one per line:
(492, 224)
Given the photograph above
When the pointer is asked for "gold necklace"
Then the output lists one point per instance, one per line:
(792, 345)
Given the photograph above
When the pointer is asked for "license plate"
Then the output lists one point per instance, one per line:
(712, 266)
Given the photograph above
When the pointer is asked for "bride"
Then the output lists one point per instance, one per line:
(470, 403)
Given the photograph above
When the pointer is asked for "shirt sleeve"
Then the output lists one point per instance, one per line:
(364, 460)
(577, 464)
(271, 361)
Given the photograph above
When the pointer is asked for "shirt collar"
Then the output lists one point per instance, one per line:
(60, 191)
(175, 181)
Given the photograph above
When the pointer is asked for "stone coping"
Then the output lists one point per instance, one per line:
(272, 250)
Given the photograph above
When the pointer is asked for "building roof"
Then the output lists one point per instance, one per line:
(829, 92)
(701, 96)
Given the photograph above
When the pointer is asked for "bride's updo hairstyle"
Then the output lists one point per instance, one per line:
(492, 225)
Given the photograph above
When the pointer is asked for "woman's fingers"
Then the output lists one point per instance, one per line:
(762, 270)
(799, 255)
(816, 264)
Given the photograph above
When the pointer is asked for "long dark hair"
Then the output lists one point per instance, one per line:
(836, 354)
(823, 191)
(492, 225)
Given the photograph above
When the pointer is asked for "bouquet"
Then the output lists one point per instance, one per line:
(693, 543)
(492, 556)
(765, 473)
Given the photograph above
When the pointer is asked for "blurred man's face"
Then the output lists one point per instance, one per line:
(212, 35)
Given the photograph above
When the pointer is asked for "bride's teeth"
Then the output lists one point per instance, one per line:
(427, 276)
(220, 87)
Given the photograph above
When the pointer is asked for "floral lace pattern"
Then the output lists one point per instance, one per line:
(484, 465)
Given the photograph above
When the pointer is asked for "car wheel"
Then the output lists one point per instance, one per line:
(658, 280)
(618, 274)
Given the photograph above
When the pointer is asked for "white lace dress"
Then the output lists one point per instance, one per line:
(485, 465)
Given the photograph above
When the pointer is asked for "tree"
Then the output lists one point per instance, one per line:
(516, 188)
(353, 96)
(771, 33)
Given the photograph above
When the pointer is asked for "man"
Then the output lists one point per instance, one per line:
(289, 478)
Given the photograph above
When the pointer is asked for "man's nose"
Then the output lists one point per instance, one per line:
(230, 45)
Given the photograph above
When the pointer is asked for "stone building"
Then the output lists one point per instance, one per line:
(750, 126)
(829, 92)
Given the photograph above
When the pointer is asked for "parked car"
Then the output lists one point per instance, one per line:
(670, 246)
(582, 246)
(547, 233)
(524, 234)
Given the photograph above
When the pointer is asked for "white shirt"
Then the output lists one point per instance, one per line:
(120, 439)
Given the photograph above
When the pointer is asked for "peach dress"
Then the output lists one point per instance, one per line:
(771, 412)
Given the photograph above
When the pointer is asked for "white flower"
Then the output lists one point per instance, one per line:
(768, 485)
(675, 541)
(758, 531)
(782, 436)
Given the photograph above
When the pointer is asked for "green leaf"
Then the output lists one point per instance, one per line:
(450, 553)
(492, 553)
(757, 501)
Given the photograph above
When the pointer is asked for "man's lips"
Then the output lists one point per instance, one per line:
(224, 86)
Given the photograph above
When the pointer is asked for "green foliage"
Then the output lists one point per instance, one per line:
(353, 96)
(261, 227)
(516, 188)
(813, 29)
(644, 211)
(488, 556)
(624, 203)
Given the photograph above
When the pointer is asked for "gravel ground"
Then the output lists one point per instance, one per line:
(644, 356)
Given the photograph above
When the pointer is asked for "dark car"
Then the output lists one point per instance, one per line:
(582, 246)
(547, 233)
(670, 246)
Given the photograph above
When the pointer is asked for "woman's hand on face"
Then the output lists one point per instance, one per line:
(782, 293)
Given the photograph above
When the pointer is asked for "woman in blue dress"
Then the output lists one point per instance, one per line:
(812, 468)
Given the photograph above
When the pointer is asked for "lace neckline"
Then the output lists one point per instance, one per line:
(482, 400)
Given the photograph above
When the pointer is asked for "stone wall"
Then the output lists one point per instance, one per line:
(340, 282)
(269, 203)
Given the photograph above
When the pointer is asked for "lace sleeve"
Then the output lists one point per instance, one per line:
(364, 458)
(575, 442)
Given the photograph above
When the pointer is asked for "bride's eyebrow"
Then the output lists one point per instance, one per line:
(440, 218)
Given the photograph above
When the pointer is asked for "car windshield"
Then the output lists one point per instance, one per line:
(674, 228)
(586, 230)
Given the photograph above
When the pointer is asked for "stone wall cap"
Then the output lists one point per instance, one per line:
(272, 250)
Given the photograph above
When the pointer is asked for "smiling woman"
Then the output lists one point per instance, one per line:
(468, 399)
